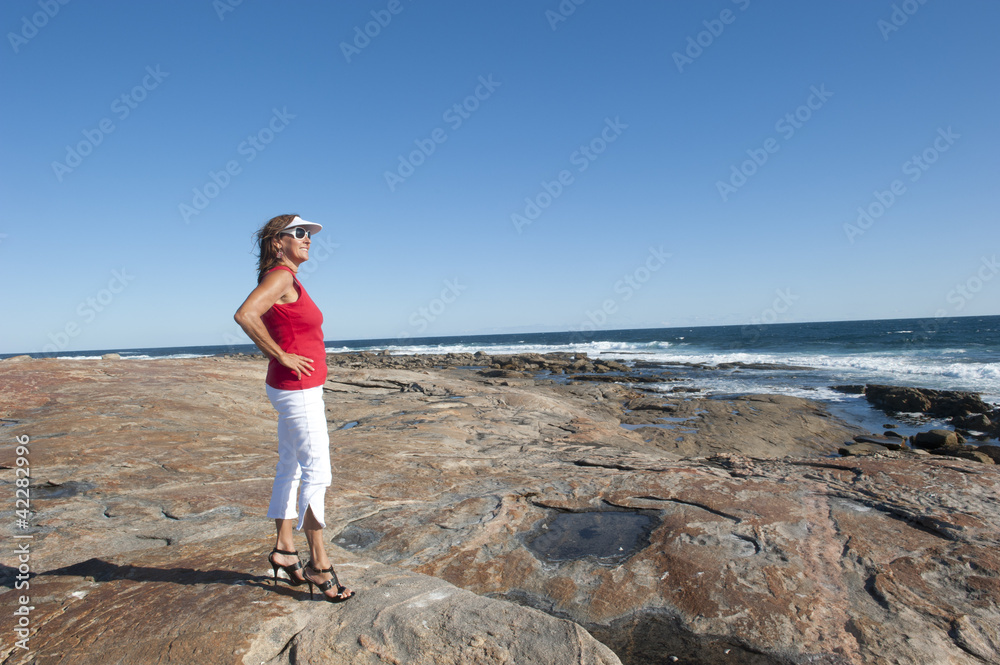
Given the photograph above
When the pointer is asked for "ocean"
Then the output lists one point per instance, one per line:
(947, 353)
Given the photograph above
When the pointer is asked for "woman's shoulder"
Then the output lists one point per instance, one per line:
(280, 274)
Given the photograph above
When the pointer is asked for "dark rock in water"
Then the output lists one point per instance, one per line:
(941, 403)
(763, 366)
(849, 389)
(893, 435)
(890, 426)
(935, 438)
(862, 448)
(632, 378)
(894, 399)
(979, 422)
(991, 451)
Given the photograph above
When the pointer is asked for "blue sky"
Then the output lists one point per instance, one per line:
(495, 167)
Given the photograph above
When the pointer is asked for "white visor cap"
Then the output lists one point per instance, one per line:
(312, 227)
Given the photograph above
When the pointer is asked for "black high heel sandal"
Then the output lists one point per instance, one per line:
(327, 585)
(289, 570)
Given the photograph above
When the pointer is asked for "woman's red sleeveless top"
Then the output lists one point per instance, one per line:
(296, 327)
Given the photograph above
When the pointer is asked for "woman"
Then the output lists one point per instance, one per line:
(284, 323)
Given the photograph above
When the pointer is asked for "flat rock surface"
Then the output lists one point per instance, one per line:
(709, 531)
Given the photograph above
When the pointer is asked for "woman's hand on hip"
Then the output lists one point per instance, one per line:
(298, 364)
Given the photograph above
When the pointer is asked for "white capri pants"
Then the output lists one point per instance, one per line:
(303, 454)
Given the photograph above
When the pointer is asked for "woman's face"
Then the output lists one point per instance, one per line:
(295, 249)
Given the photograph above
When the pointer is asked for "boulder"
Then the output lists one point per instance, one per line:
(895, 399)
(935, 438)
(963, 452)
(991, 451)
(979, 422)
(891, 443)
(196, 603)
(862, 448)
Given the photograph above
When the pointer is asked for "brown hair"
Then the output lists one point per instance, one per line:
(267, 256)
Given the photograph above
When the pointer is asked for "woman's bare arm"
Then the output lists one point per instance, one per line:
(270, 290)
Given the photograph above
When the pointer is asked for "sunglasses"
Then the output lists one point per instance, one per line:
(298, 232)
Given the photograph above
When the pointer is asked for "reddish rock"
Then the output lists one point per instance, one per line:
(160, 473)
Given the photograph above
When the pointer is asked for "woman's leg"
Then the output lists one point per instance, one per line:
(313, 456)
(287, 473)
(318, 556)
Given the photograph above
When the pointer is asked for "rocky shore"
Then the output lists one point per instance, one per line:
(497, 509)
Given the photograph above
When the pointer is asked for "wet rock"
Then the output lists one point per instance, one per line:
(504, 374)
(762, 366)
(940, 403)
(976, 421)
(649, 404)
(894, 399)
(850, 389)
(607, 378)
